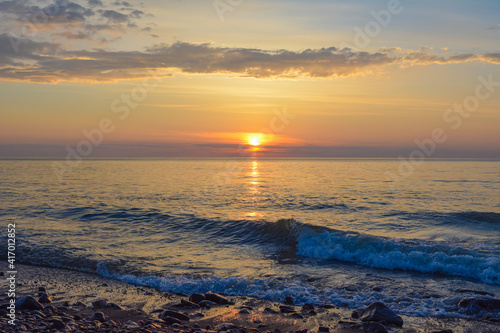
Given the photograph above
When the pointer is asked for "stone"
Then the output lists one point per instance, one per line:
(224, 327)
(276, 330)
(130, 324)
(216, 298)
(41, 314)
(355, 314)
(57, 324)
(99, 304)
(286, 309)
(302, 331)
(207, 304)
(49, 309)
(374, 327)
(171, 320)
(478, 292)
(244, 311)
(41, 289)
(378, 312)
(288, 300)
(44, 298)
(307, 307)
(197, 298)
(487, 303)
(28, 303)
(189, 304)
(174, 314)
(270, 311)
(98, 316)
(323, 329)
(443, 331)
(296, 315)
(115, 306)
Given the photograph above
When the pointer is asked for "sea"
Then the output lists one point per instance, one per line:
(323, 231)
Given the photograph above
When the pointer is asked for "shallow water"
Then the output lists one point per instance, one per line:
(323, 231)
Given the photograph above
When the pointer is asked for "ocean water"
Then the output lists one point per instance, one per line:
(321, 231)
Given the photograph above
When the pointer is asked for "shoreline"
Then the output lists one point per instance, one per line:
(130, 308)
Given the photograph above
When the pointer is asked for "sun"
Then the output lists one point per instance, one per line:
(254, 139)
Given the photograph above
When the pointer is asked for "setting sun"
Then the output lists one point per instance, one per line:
(254, 139)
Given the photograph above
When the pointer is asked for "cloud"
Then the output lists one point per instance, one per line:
(172, 149)
(424, 58)
(114, 16)
(68, 19)
(51, 62)
(95, 3)
(493, 58)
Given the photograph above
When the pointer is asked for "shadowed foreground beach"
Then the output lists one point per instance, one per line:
(81, 302)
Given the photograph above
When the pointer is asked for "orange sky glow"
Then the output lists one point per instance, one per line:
(177, 79)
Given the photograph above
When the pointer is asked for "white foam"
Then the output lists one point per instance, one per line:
(393, 254)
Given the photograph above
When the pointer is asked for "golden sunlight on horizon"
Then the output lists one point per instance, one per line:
(255, 139)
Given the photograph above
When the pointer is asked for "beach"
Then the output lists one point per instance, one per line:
(250, 166)
(77, 296)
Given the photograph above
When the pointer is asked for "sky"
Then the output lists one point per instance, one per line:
(237, 78)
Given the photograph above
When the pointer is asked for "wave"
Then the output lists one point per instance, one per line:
(273, 289)
(393, 254)
(459, 219)
(308, 240)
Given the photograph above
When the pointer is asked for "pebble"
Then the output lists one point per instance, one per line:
(296, 316)
(174, 314)
(189, 304)
(216, 298)
(171, 320)
(99, 316)
(130, 324)
(307, 307)
(28, 303)
(484, 302)
(197, 298)
(115, 306)
(57, 324)
(207, 304)
(99, 304)
(286, 309)
(373, 327)
(44, 298)
(378, 312)
(224, 326)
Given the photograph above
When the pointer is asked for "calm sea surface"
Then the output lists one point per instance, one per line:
(322, 231)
